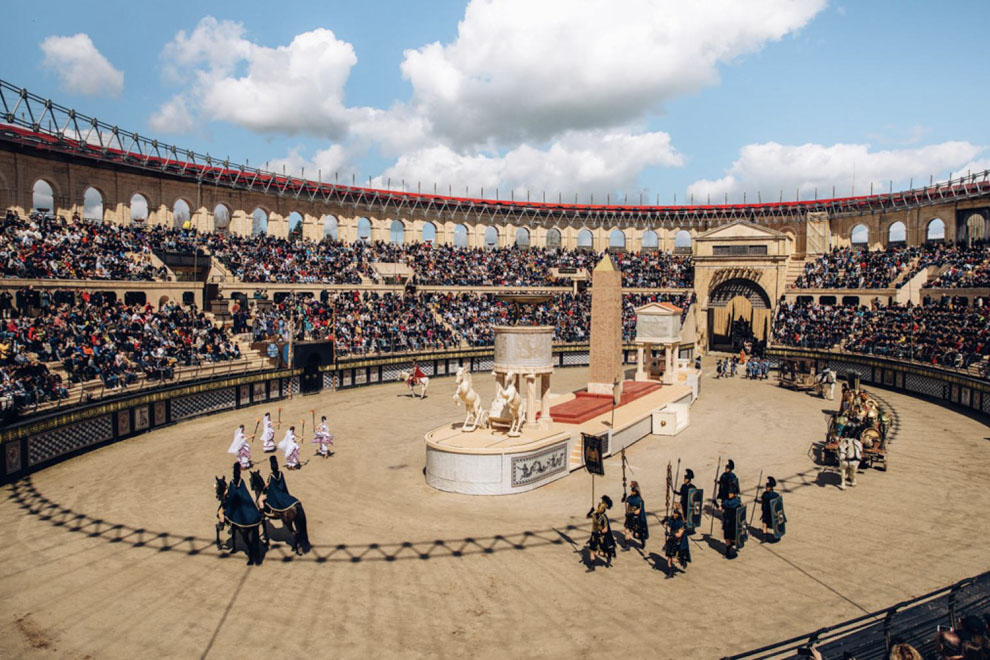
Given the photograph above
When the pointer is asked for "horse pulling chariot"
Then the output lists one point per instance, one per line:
(861, 416)
(799, 375)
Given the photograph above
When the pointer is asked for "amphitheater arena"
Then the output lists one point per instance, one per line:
(108, 468)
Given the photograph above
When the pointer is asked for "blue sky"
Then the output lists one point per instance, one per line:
(642, 98)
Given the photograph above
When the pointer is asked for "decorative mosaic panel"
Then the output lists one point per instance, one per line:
(899, 380)
(260, 394)
(348, 379)
(985, 403)
(53, 444)
(159, 413)
(955, 394)
(540, 465)
(888, 377)
(572, 359)
(142, 418)
(245, 394)
(427, 368)
(328, 380)
(390, 373)
(373, 374)
(13, 457)
(197, 404)
(123, 422)
(923, 385)
(294, 386)
(964, 396)
(360, 376)
(864, 372)
(484, 364)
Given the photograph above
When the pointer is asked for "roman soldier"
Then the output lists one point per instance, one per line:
(323, 437)
(636, 525)
(730, 526)
(290, 448)
(727, 481)
(241, 448)
(684, 493)
(677, 543)
(767, 506)
(602, 543)
(267, 434)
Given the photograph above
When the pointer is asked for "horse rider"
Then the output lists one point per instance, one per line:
(240, 511)
(416, 375)
(277, 499)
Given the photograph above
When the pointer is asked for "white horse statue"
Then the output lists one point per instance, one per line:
(507, 407)
(465, 393)
(424, 382)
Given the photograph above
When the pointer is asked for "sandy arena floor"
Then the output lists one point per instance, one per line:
(111, 555)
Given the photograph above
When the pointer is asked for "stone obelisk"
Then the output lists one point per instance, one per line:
(606, 327)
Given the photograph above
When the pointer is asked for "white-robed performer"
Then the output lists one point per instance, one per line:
(323, 437)
(290, 448)
(267, 434)
(241, 448)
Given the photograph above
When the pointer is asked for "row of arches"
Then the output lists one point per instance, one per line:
(897, 233)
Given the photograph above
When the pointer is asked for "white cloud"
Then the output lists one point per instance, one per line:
(298, 88)
(520, 70)
(586, 162)
(81, 68)
(324, 163)
(172, 117)
(771, 168)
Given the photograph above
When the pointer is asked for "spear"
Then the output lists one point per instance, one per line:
(313, 413)
(625, 496)
(677, 474)
(669, 488)
(257, 422)
(711, 529)
(279, 423)
(302, 433)
(759, 488)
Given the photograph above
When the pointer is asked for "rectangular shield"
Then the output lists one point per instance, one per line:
(777, 517)
(742, 532)
(594, 460)
(695, 499)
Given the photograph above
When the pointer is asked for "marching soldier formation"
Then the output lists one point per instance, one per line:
(685, 517)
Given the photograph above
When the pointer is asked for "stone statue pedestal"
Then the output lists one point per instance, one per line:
(526, 352)
(657, 324)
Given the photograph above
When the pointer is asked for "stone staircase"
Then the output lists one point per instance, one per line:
(795, 267)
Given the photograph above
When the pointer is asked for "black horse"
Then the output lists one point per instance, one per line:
(249, 535)
(293, 518)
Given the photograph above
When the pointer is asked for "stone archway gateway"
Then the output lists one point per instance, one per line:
(738, 311)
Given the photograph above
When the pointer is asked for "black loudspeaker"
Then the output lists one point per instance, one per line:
(310, 356)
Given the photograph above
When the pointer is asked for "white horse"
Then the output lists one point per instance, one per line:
(465, 393)
(424, 382)
(507, 407)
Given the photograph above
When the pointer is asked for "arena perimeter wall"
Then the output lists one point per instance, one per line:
(36, 443)
(950, 388)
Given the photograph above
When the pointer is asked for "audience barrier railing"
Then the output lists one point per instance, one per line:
(871, 635)
(947, 386)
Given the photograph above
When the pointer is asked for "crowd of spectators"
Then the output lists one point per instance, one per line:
(947, 332)
(847, 268)
(89, 337)
(965, 266)
(44, 247)
(270, 259)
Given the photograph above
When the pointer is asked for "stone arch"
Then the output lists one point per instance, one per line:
(650, 240)
(330, 227)
(491, 237)
(460, 236)
(935, 230)
(585, 239)
(617, 240)
(139, 208)
(682, 241)
(43, 196)
(221, 218)
(259, 222)
(295, 224)
(93, 205)
(397, 232)
(429, 233)
(522, 237)
(364, 230)
(976, 228)
(860, 235)
(896, 233)
(738, 309)
(553, 238)
(181, 214)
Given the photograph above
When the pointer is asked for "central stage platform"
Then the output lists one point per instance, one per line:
(487, 462)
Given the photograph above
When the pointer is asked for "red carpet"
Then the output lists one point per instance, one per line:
(585, 406)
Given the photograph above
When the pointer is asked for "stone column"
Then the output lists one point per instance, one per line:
(531, 399)
(640, 367)
(545, 419)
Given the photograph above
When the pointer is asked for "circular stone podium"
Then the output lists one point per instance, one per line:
(527, 353)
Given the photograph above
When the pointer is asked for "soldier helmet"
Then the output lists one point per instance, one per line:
(771, 482)
(730, 465)
(608, 501)
(273, 462)
(689, 473)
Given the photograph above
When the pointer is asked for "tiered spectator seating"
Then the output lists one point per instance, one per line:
(845, 268)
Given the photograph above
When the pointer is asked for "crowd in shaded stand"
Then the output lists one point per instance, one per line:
(449, 265)
(43, 247)
(946, 333)
(473, 317)
(846, 268)
(269, 259)
(95, 338)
